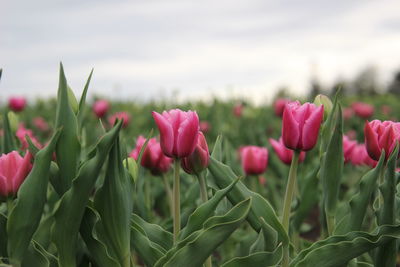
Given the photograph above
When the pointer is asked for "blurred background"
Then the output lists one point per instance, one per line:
(186, 50)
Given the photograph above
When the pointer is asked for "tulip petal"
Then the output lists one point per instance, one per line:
(311, 129)
(371, 141)
(290, 129)
(23, 170)
(166, 133)
(283, 152)
(3, 186)
(187, 135)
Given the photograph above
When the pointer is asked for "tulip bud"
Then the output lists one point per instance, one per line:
(131, 166)
(325, 101)
(120, 116)
(363, 110)
(17, 104)
(279, 106)
(100, 108)
(199, 159)
(238, 110)
(40, 124)
(178, 132)
(21, 134)
(254, 159)
(13, 171)
(284, 154)
(348, 147)
(205, 126)
(13, 121)
(381, 135)
(300, 125)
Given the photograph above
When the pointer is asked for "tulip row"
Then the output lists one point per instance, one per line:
(77, 197)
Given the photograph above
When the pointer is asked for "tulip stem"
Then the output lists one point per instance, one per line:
(204, 198)
(10, 205)
(381, 179)
(288, 202)
(169, 193)
(177, 207)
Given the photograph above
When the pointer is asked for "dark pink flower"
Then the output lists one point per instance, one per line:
(21, 134)
(120, 116)
(13, 171)
(284, 154)
(17, 104)
(254, 159)
(199, 159)
(363, 110)
(205, 126)
(348, 147)
(40, 124)
(238, 110)
(101, 107)
(279, 106)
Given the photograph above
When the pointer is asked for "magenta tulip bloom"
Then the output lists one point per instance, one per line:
(153, 158)
(238, 110)
(301, 125)
(359, 156)
(381, 135)
(285, 154)
(199, 159)
(348, 147)
(254, 159)
(17, 104)
(120, 116)
(13, 171)
(363, 110)
(21, 134)
(101, 107)
(178, 132)
(40, 124)
(279, 106)
(205, 126)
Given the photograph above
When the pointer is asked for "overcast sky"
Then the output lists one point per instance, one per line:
(148, 49)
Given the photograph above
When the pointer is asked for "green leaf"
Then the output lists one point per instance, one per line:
(329, 125)
(205, 211)
(270, 236)
(360, 201)
(386, 255)
(8, 137)
(332, 167)
(338, 250)
(82, 102)
(223, 176)
(257, 259)
(196, 248)
(97, 249)
(68, 147)
(114, 204)
(154, 232)
(27, 212)
(36, 256)
(71, 207)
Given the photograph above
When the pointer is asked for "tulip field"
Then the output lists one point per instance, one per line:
(93, 182)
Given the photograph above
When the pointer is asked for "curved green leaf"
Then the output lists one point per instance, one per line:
(257, 259)
(27, 212)
(8, 144)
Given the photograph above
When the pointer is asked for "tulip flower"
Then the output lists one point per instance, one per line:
(284, 154)
(359, 156)
(13, 171)
(40, 124)
(254, 159)
(153, 158)
(381, 135)
(100, 108)
(21, 134)
(348, 147)
(199, 159)
(363, 110)
(301, 124)
(347, 113)
(279, 106)
(238, 110)
(120, 116)
(205, 126)
(17, 104)
(178, 132)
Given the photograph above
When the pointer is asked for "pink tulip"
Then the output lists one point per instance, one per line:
(301, 125)
(100, 108)
(238, 110)
(279, 106)
(363, 110)
(347, 113)
(284, 154)
(178, 132)
(199, 159)
(21, 134)
(153, 158)
(348, 147)
(205, 126)
(254, 159)
(120, 116)
(17, 104)
(359, 156)
(381, 135)
(13, 171)
(40, 124)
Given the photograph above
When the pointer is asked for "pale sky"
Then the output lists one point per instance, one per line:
(147, 49)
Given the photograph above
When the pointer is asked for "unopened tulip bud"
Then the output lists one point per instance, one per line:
(284, 154)
(199, 159)
(101, 107)
(348, 147)
(325, 101)
(254, 159)
(363, 110)
(13, 171)
(17, 104)
(120, 116)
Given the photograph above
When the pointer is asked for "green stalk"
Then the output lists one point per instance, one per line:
(288, 202)
(169, 193)
(10, 205)
(177, 207)
(204, 198)
(381, 180)
(330, 223)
